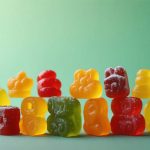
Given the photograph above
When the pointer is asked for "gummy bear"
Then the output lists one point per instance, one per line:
(147, 116)
(33, 121)
(4, 100)
(20, 86)
(142, 84)
(9, 120)
(116, 82)
(48, 84)
(96, 117)
(127, 119)
(86, 84)
(126, 106)
(128, 125)
(65, 116)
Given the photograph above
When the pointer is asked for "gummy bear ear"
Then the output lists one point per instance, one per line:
(21, 75)
(78, 74)
(108, 72)
(120, 71)
(47, 74)
(93, 73)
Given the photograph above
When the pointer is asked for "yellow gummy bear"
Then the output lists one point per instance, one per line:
(86, 84)
(147, 116)
(4, 100)
(142, 84)
(20, 86)
(33, 121)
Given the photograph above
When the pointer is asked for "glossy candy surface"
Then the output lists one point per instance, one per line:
(142, 84)
(86, 84)
(33, 121)
(20, 86)
(9, 120)
(96, 117)
(48, 84)
(4, 100)
(128, 125)
(147, 116)
(127, 119)
(126, 106)
(65, 116)
(116, 82)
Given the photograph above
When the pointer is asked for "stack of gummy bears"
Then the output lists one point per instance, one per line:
(65, 112)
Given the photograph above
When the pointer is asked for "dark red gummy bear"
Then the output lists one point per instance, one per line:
(9, 120)
(128, 125)
(126, 106)
(116, 82)
(48, 85)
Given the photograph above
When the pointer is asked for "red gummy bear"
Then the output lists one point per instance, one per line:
(126, 106)
(128, 125)
(9, 120)
(116, 82)
(48, 85)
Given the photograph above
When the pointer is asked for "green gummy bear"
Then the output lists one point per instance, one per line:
(65, 116)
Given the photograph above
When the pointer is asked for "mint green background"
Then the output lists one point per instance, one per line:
(65, 35)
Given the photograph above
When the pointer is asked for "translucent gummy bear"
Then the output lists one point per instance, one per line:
(48, 84)
(147, 116)
(9, 120)
(20, 86)
(4, 100)
(116, 82)
(33, 121)
(142, 84)
(65, 116)
(96, 117)
(86, 84)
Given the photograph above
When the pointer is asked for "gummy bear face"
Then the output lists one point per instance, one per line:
(116, 82)
(86, 84)
(34, 106)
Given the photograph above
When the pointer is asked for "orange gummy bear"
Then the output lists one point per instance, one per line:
(86, 84)
(33, 121)
(96, 120)
(20, 86)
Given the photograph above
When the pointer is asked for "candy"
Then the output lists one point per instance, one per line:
(9, 120)
(126, 106)
(86, 84)
(127, 119)
(116, 82)
(96, 117)
(142, 84)
(20, 86)
(128, 125)
(33, 121)
(147, 116)
(65, 116)
(48, 84)
(4, 100)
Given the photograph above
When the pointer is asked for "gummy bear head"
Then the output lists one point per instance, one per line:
(116, 82)
(20, 86)
(86, 84)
